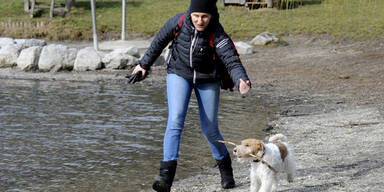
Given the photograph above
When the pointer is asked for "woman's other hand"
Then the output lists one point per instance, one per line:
(244, 86)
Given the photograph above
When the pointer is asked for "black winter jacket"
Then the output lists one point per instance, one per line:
(191, 55)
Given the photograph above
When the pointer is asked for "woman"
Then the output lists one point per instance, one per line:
(194, 65)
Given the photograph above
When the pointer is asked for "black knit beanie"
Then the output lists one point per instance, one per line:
(203, 6)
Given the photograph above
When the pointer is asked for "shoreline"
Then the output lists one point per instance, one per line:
(330, 99)
(330, 96)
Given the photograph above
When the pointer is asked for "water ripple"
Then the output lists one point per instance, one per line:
(62, 136)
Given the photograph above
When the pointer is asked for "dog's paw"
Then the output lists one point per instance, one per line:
(290, 178)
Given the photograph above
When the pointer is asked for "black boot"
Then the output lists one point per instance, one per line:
(163, 183)
(226, 172)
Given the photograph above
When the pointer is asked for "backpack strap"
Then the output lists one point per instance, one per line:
(176, 32)
(180, 23)
(211, 39)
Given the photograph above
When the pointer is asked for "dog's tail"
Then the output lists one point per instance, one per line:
(278, 137)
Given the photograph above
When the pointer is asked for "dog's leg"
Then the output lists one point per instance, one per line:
(289, 178)
(266, 185)
(275, 182)
(290, 165)
(255, 185)
(267, 179)
(255, 182)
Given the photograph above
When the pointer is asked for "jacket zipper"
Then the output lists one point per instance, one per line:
(193, 45)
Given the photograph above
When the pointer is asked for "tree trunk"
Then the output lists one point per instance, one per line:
(26, 5)
(51, 8)
(32, 10)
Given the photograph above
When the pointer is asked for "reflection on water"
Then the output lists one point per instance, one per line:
(65, 136)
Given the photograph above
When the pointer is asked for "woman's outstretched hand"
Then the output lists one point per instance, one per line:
(244, 87)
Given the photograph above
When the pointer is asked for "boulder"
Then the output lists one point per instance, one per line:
(88, 59)
(119, 60)
(134, 51)
(56, 57)
(8, 55)
(26, 43)
(243, 48)
(6, 41)
(160, 61)
(264, 39)
(29, 58)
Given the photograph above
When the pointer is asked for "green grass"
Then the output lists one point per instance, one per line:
(353, 19)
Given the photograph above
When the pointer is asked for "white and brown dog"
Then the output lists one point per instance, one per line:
(267, 160)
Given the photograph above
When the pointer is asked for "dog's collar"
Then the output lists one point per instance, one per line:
(265, 163)
(260, 159)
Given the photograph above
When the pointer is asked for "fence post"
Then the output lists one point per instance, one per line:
(123, 20)
(26, 5)
(94, 25)
(51, 8)
(32, 10)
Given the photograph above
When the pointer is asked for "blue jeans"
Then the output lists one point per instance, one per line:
(179, 93)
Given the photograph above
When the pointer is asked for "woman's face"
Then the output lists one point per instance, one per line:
(200, 20)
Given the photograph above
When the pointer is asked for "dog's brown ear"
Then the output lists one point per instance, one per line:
(261, 147)
(257, 147)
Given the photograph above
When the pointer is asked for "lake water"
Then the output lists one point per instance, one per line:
(77, 136)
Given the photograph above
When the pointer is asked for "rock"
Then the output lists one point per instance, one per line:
(6, 41)
(26, 43)
(119, 60)
(243, 48)
(8, 55)
(264, 39)
(56, 57)
(29, 58)
(134, 51)
(88, 59)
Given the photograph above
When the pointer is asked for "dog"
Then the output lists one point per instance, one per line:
(267, 160)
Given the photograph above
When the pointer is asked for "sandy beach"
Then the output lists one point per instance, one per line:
(330, 97)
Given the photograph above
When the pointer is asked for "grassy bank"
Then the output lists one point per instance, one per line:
(354, 19)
